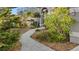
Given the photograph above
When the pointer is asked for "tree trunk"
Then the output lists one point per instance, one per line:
(67, 37)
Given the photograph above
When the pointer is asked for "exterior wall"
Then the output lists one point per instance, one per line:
(76, 16)
(74, 12)
(74, 9)
(30, 20)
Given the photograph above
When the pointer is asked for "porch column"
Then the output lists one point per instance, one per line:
(41, 20)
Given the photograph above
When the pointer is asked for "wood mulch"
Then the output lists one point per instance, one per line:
(23, 30)
(58, 46)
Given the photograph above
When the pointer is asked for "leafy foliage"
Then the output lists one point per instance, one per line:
(59, 24)
(36, 14)
(8, 28)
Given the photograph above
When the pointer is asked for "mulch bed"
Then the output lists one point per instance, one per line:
(58, 46)
(23, 30)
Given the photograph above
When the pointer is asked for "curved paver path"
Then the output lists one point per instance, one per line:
(28, 44)
(75, 49)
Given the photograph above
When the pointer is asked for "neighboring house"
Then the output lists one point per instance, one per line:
(31, 20)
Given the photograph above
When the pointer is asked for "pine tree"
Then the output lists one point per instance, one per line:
(8, 33)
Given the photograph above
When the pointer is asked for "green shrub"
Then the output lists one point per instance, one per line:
(5, 48)
(37, 29)
(10, 37)
(42, 36)
(35, 25)
(47, 36)
(8, 29)
(59, 24)
(56, 37)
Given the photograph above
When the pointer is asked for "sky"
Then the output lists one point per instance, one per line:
(14, 11)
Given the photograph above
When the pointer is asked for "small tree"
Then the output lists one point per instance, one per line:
(8, 33)
(59, 24)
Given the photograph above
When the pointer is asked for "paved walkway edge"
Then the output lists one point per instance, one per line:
(29, 44)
